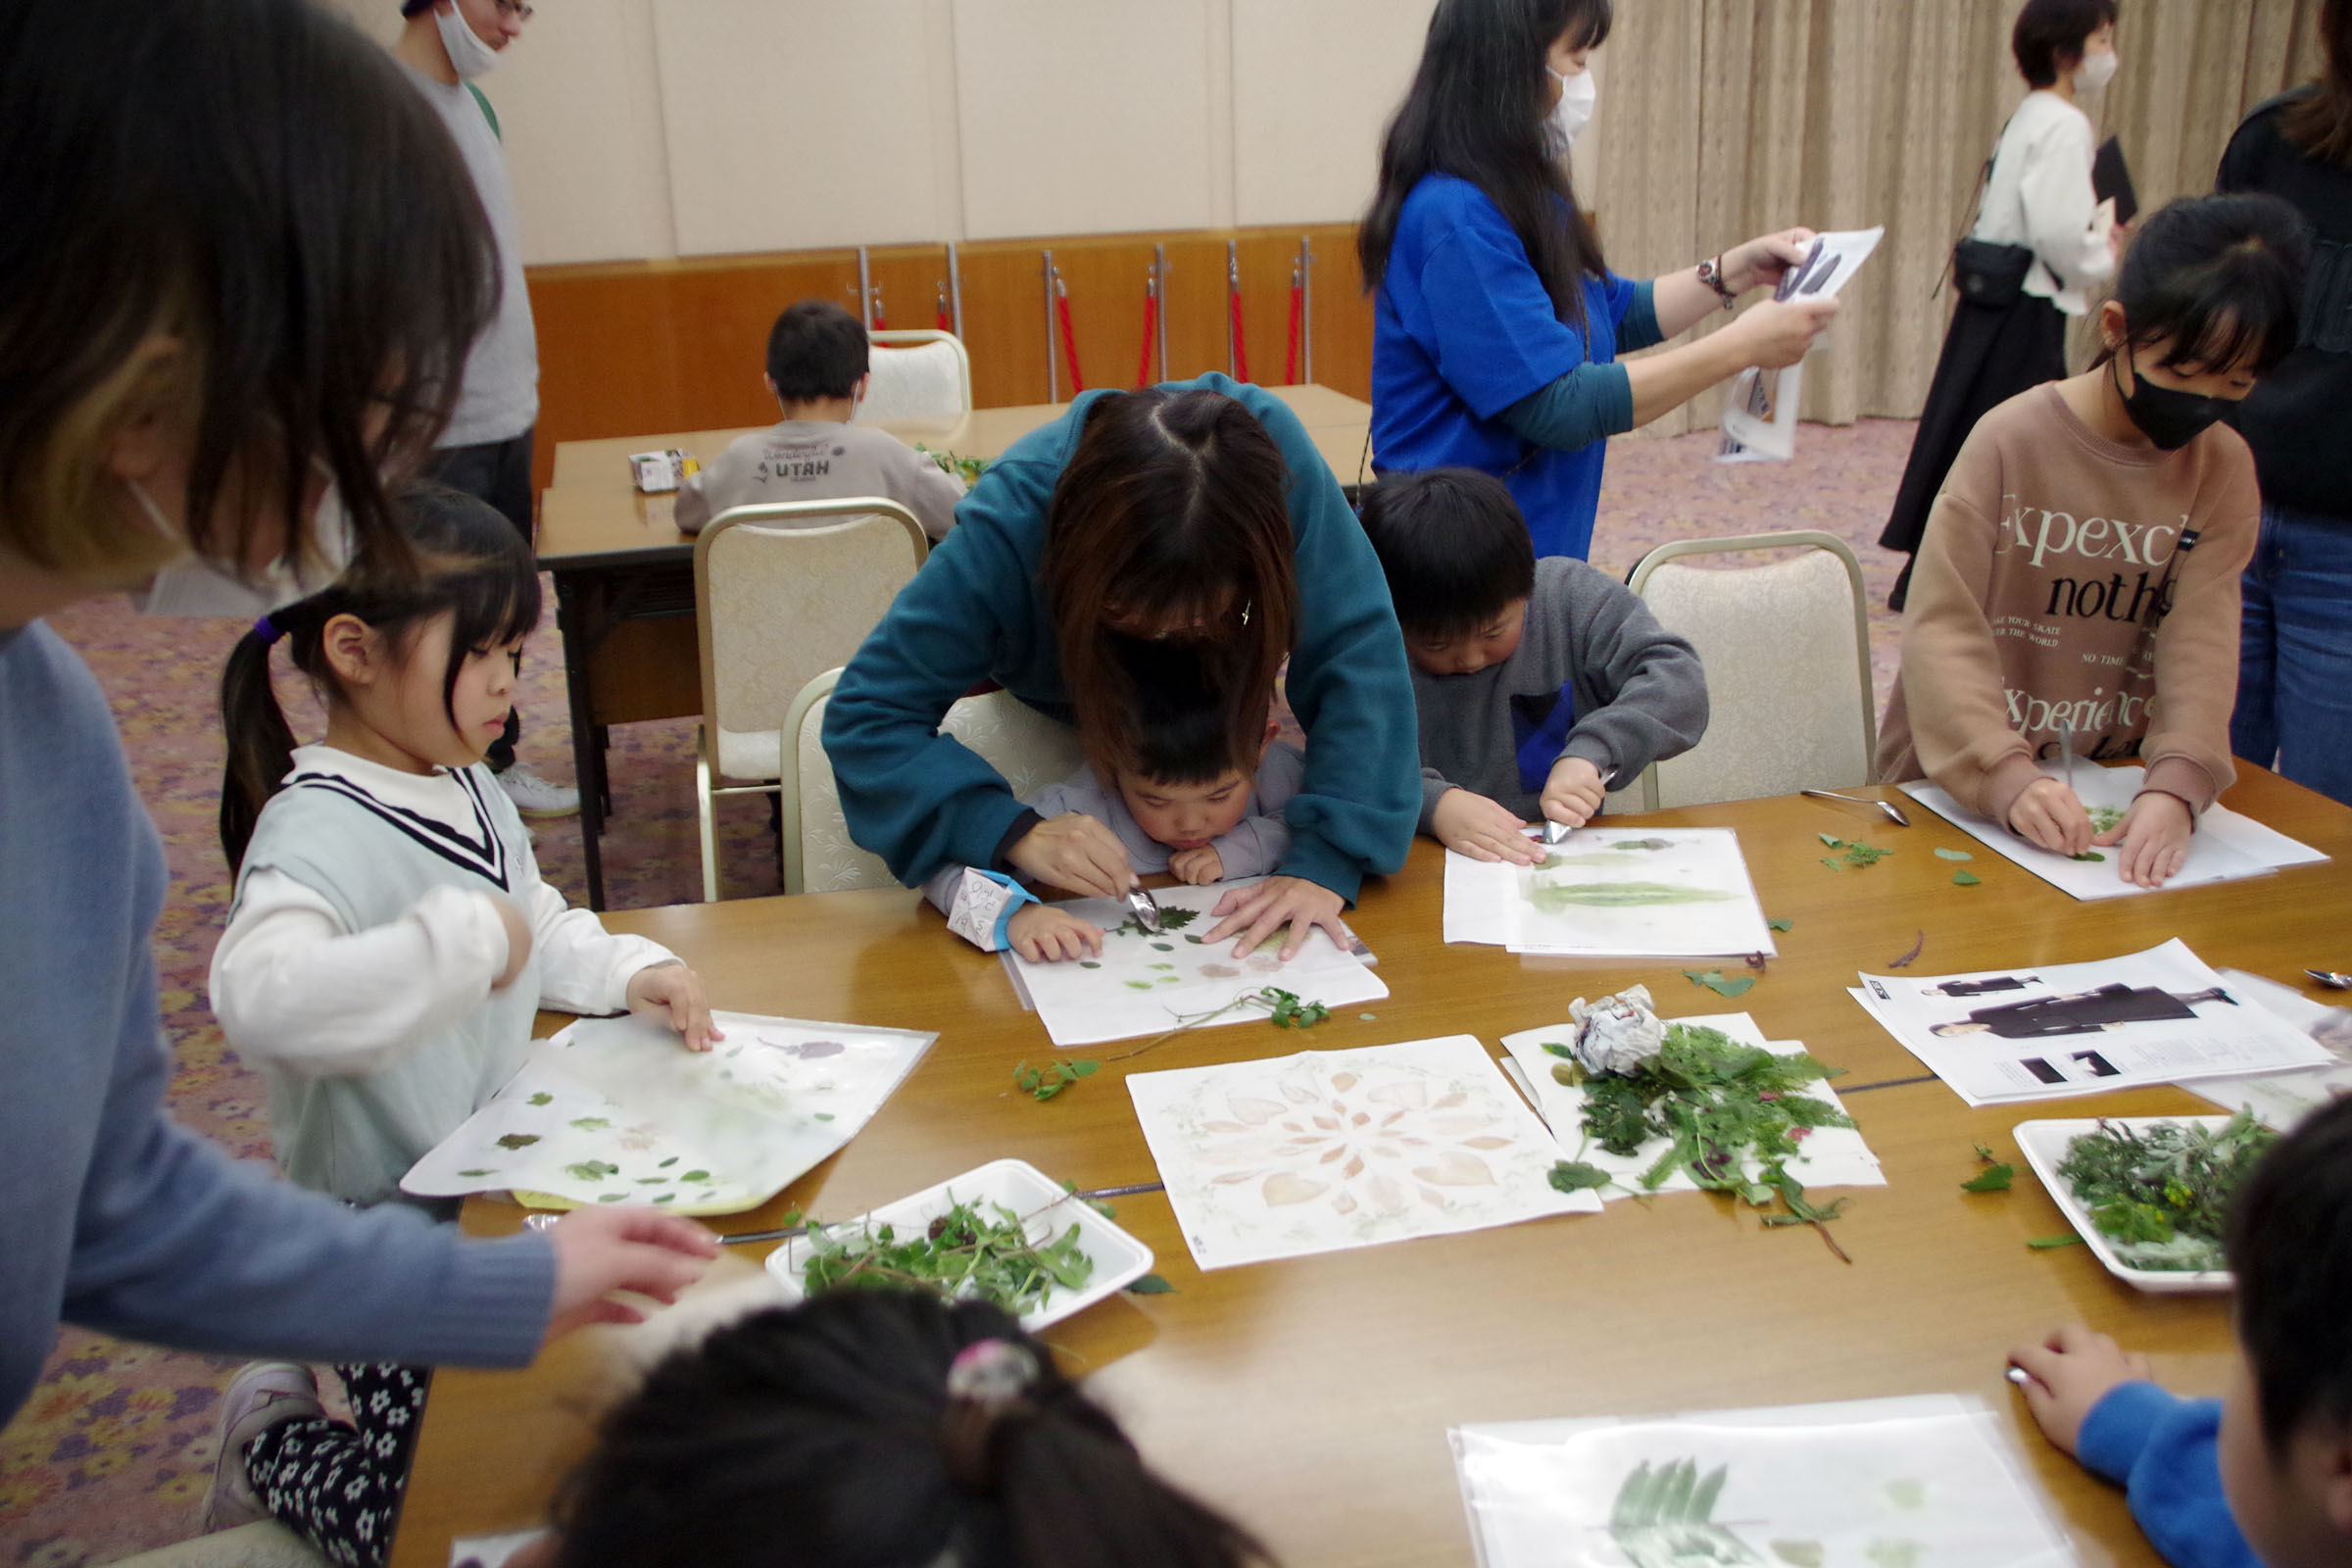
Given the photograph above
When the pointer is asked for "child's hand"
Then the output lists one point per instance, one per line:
(1200, 866)
(1074, 850)
(1473, 825)
(641, 1251)
(2049, 815)
(519, 939)
(2155, 836)
(2070, 1372)
(1573, 792)
(1043, 934)
(676, 989)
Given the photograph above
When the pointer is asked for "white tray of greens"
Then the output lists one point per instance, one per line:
(2148, 1193)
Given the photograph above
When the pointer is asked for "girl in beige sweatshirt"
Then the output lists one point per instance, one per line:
(2079, 571)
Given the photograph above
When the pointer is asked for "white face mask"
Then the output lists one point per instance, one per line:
(469, 56)
(2096, 71)
(1579, 95)
(194, 586)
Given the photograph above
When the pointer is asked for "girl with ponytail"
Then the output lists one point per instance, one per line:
(390, 941)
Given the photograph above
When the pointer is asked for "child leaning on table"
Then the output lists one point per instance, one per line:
(874, 1427)
(1170, 797)
(389, 944)
(1536, 681)
(2079, 568)
(818, 360)
(2263, 1476)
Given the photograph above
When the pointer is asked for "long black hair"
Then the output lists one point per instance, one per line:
(466, 560)
(825, 1435)
(2320, 122)
(1476, 111)
(257, 181)
(2222, 278)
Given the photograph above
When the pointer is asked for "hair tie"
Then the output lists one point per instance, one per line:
(988, 1379)
(267, 630)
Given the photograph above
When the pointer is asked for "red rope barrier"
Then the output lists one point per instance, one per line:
(1142, 366)
(940, 314)
(1069, 341)
(1241, 348)
(1290, 363)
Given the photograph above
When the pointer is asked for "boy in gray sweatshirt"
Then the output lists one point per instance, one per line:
(1540, 683)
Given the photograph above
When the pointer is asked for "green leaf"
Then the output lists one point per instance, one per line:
(1150, 1284)
(696, 1176)
(2046, 1244)
(1833, 864)
(517, 1140)
(611, 1198)
(821, 1115)
(1552, 1047)
(471, 1173)
(1942, 854)
(1781, 925)
(1163, 946)
(1993, 1179)
(1714, 981)
(1578, 1176)
(1965, 879)
(1831, 840)
(590, 1124)
(1798, 1554)
(2087, 855)
(1085, 1069)
(1089, 963)
(665, 1164)
(540, 1098)
(665, 1198)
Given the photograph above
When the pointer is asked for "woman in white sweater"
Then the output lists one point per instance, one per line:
(2039, 209)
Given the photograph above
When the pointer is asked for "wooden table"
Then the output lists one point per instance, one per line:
(624, 575)
(1310, 1398)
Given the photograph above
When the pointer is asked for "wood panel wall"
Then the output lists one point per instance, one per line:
(640, 347)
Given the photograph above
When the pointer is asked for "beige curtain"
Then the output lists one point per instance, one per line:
(1725, 119)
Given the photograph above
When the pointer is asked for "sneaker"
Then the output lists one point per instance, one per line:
(534, 796)
(263, 1395)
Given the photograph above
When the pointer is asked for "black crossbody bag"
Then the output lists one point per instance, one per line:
(1988, 275)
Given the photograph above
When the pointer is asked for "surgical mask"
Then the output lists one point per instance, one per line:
(1579, 95)
(194, 586)
(469, 56)
(2097, 70)
(2166, 414)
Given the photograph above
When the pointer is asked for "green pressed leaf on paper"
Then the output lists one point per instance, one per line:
(540, 1098)
(1942, 854)
(1578, 1176)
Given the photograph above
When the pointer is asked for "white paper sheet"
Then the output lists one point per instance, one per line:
(2281, 1099)
(1760, 412)
(1147, 985)
(613, 1110)
(1833, 1156)
(2226, 847)
(1930, 1480)
(1614, 892)
(2048, 1031)
(1329, 1149)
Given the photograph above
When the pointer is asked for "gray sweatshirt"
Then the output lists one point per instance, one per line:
(1638, 690)
(499, 399)
(819, 460)
(1254, 847)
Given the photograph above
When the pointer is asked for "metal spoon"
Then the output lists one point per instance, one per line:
(2331, 979)
(1893, 813)
(1144, 908)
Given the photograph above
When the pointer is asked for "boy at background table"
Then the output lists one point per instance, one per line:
(2264, 1475)
(1178, 801)
(1538, 682)
(818, 360)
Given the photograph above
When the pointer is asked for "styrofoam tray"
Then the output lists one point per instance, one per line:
(1120, 1259)
(2044, 1145)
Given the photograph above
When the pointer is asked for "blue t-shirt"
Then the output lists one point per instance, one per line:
(1461, 331)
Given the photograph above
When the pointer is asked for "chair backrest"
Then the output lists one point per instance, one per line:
(917, 377)
(1031, 750)
(818, 853)
(1787, 650)
(784, 592)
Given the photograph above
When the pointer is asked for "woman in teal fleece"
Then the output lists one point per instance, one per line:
(1194, 516)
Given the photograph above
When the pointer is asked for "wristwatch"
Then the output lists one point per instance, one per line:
(1710, 273)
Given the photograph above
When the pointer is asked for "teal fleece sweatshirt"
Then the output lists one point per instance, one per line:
(977, 610)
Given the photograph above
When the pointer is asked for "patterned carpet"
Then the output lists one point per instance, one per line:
(113, 1454)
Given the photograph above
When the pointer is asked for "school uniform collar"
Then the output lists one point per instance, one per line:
(445, 812)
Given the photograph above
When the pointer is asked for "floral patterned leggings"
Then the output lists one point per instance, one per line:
(340, 1486)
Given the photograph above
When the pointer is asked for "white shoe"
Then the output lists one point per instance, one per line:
(534, 796)
(262, 1395)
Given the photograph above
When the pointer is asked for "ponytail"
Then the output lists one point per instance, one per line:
(260, 743)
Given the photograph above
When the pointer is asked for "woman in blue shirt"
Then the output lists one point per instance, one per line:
(1498, 322)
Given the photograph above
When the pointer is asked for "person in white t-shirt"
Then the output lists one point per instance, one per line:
(818, 360)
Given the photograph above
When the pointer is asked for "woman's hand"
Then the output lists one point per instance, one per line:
(2051, 818)
(2155, 834)
(1766, 259)
(1044, 934)
(1073, 851)
(1777, 334)
(673, 989)
(1265, 907)
(2069, 1374)
(1485, 830)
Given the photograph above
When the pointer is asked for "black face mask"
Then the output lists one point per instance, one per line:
(2165, 414)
